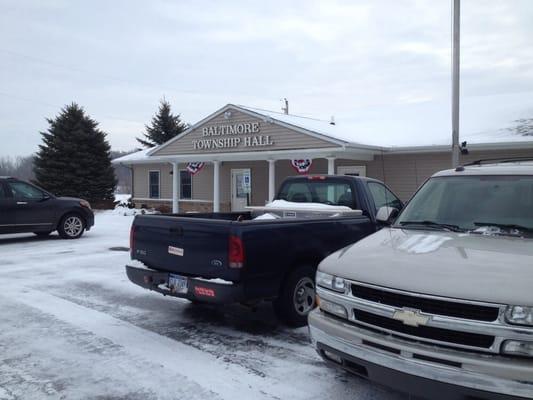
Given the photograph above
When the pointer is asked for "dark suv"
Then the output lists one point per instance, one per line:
(27, 208)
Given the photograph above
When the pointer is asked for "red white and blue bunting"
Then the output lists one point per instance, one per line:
(302, 166)
(195, 167)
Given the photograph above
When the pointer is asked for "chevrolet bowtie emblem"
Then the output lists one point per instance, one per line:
(411, 317)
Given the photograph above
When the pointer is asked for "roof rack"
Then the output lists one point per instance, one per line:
(498, 160)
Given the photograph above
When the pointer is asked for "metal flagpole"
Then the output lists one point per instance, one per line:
(455, 81)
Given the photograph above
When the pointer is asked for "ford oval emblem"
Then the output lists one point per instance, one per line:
(216, 263)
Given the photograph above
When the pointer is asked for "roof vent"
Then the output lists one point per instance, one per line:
(332, 121)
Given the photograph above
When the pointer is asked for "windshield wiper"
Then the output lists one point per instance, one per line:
(505, 226)
(433, 224)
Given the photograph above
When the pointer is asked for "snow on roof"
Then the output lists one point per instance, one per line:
(136, 156)
(396, 131)
(390, 133)
(319, 126)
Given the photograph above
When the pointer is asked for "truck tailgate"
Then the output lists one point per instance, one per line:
(189, 246)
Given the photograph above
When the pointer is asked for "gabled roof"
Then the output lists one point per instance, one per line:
(346, 136)
(308, 126)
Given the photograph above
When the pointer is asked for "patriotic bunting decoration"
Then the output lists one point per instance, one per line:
(302, 166)
(195, 167)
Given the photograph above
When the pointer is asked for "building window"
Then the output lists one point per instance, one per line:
(154, 184)
(185, 184)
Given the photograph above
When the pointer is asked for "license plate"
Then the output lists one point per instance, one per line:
(177, 283)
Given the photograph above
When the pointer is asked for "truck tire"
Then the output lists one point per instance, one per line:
(297, 297)
(71, 226)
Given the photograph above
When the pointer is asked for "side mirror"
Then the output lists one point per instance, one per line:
(386, 214)
(45, 197)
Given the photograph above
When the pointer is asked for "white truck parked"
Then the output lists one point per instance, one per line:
(440, 304)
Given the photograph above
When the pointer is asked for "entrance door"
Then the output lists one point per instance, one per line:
(353, 170)
(241, 187)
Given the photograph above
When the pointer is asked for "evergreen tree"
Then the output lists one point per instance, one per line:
(164, 126)
(74, 158)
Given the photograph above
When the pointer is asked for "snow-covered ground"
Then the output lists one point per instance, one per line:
(73, 327)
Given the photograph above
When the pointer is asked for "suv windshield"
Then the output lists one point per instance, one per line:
(472, 203)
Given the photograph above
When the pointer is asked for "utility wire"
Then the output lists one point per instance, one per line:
(15, 97)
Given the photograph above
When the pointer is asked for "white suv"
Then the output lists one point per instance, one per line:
(440, 304)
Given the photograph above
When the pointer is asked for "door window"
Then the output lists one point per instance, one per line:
(154, 184)
(2, 192)
(383, 196)
(22, 190)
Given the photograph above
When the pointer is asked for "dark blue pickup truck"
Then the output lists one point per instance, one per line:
(234, 258)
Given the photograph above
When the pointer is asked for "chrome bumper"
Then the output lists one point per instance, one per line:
(475, 372)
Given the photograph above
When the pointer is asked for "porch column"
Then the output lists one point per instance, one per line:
(331, 165)
(175, 187)
(271, 179)
(216, 186)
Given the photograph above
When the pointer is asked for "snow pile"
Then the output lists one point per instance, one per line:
(266, 216)
(125, 207)
(305, 206)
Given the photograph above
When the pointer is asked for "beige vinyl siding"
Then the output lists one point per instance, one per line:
(140, 180)
(403, 173)
(283, 138)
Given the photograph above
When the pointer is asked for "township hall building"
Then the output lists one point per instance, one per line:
(238, 156)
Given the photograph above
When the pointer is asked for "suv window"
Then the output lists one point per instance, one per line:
(23, 190)
(2, 191)
(383, 196)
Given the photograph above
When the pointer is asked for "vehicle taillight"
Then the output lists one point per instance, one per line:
(235, 252)
(132, 239)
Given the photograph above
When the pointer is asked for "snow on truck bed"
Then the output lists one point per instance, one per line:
(288, 209)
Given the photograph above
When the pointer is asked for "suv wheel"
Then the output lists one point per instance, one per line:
(297, 297)
(71, 226)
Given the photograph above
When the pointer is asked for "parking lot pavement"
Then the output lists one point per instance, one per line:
(73, 327)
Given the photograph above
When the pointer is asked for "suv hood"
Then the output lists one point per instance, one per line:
(496, 269)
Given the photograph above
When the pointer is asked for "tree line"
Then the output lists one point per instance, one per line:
(74, 158)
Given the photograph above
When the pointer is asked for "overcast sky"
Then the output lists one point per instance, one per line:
(381, 67)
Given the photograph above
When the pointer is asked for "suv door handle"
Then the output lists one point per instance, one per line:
(21, 203)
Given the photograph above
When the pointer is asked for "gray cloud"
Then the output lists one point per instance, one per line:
(381, 67)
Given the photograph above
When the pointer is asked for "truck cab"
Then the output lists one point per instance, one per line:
(439, 304)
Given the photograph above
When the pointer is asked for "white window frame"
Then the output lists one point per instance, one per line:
(185, 170)
(158, 183)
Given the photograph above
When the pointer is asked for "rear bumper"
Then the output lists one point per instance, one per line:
(89, 220)
(197, 289)
(390, 363)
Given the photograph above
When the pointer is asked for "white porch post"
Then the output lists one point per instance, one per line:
(331, 165)
(216, 186)
(175, 187)
(271, 179)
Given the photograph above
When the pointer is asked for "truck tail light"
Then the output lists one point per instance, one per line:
(235, 252)
(132, 239)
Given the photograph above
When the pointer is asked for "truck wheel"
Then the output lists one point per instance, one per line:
(71, 226)
(297, 297)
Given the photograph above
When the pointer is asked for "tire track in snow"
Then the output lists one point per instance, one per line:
(182, 359)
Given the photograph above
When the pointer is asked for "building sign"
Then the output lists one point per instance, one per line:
(228, 136)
